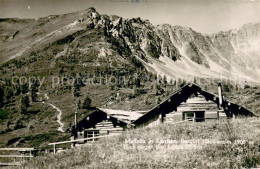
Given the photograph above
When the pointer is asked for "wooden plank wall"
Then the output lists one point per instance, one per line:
(108, 127)
(194, 103)
(198, 103)
(105, 127)
(169, 105)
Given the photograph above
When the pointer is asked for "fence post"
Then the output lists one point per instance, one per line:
(54, 148)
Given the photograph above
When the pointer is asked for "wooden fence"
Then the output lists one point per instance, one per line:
(78, 140)
(23, 154)
(28, 152)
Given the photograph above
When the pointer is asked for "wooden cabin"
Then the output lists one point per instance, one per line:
(98, 123)
(196, 109)
(191, 103)
(102, 128)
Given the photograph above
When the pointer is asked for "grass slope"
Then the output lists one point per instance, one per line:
(112, 153)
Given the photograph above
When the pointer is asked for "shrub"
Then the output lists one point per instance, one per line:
(246, 86)
(13, 140)
(3, 114)
(87, 103)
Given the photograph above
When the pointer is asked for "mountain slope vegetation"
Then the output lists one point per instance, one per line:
(119, 63)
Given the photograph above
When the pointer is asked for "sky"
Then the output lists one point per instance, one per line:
(205, 16)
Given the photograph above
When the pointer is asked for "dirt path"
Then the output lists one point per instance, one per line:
(60, 128)
(58, 117)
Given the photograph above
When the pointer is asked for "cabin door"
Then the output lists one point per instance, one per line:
(200, 116)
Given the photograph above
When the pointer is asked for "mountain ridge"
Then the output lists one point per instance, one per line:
(173, 51)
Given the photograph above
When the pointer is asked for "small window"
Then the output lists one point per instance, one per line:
(92, 134)
(196, 116)
(189, 116)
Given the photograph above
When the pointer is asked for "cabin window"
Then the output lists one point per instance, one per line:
(195, 116)
(189, 116)
(92, 134)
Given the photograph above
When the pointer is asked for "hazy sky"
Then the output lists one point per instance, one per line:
(206, 16)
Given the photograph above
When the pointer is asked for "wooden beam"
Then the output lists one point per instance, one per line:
(73, 141)
(54, 148)
(15, 156)
(9, 164)
(17, 149)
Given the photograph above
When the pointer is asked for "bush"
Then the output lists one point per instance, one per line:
(246, 86)
(182, 84)
(25, 101)
(13, 140)
(3, 114)
(87, 103)
(227, 88)
(19, 124)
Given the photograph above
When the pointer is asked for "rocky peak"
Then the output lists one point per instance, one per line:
(174, 50)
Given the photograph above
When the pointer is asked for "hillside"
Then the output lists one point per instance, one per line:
(117, 152)
(174, 51)
(118, 63)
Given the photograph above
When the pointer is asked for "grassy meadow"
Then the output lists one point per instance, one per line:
(214, 144)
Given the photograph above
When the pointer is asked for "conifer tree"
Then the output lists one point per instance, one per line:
(87, 103)
(79, 104)
(25, 104)
(76, 90)
(34, 91)
(1, 97)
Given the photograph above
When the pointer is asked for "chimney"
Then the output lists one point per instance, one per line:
(220, 95)
(75, 120)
